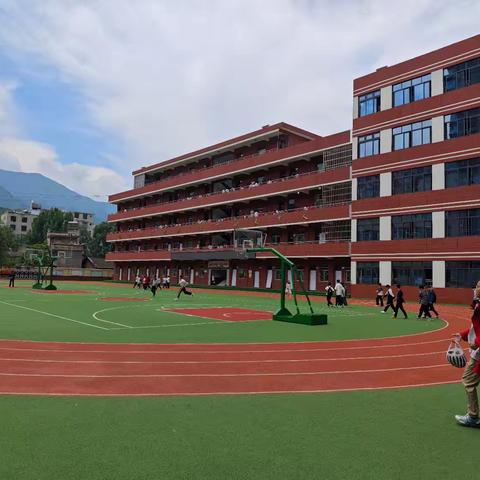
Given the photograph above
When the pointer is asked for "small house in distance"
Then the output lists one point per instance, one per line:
(66, 246)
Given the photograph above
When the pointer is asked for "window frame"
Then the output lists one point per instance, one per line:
(411, 268)
(362, 142)
(408, 90)
(373, 100)
(412, 177)
(464, 70)
(368, 187)
(411, 226)
(464, 170)
(368, 235)
(374, 275)
(407, 134)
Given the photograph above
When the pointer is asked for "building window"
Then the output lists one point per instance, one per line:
(368, 187)
(462, 274)
(419, 133)
(368, 104)
(323, 274)
(368, 229)
(242, 273)
(463, 172)
(278, 274)
(461, 75)
(462, 223)
(462, 124)
(412, 273)
(412, 226)
(24, 228)
(24, 219)
(12, 226)
(412, 180)
(369, 145)
(275, 239)
(368, 273)
(296, 238)
(412, 90)
(13, 218)
(291, 204)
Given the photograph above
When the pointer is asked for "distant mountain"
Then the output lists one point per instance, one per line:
(18, 189)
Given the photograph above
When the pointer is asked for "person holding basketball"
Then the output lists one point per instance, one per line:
(471, 375)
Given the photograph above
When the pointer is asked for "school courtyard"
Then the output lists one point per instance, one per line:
(103, 381)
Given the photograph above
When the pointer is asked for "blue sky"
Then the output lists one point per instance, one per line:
(91, 90)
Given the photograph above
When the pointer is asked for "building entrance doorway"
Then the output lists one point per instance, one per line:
(218, 276)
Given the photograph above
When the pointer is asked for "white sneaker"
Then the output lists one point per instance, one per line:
(175, 299)
(382, 311)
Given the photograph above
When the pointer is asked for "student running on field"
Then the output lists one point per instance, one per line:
(471, 375)
(339, 294)
(183, 284)
(399, 303)
(155, 285)
(344, 299)
(390, 297)
(137, 282)
(329, 293)
(379, 295)
(424, 311)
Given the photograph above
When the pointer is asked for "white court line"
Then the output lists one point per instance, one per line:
(53, 315)
(209, 375)
(194, 352)
(215, 362)
(94, 315)
(171, 325)
(259, 392)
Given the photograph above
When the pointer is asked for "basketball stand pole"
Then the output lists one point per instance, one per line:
(284, 314)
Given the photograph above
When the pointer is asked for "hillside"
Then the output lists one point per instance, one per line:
(18, 189)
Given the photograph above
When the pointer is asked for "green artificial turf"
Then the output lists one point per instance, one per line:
(24, 315)
(387, 435)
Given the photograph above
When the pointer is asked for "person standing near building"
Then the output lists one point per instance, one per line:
(379, 296)
(288, 289)
(432, 299)
(424, 303)
(399, 303)
(471, 375)
(339, 294)
(390, 297)
(137, 282)
(344, 300)
(329, 290)
(11, 279)
(167, 284)
(183, 284)
(155, 285)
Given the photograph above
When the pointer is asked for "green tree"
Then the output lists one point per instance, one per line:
(8, 242)
(98, 246)
(48, 220)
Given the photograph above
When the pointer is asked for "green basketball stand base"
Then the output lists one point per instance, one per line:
(302, 318)
(50, 287)
(37, 286)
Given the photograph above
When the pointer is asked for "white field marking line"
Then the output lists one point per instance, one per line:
(418, 334)
(94, 315)
(259, 392)
(209, 375)
(171, 325)
(216, 362)
(53, 315)
(194, 352)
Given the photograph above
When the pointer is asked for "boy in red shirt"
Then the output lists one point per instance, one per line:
(471, 375)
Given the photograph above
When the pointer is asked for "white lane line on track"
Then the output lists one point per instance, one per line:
(259, 392)
(214, 362)
(94, 315)
(215, 375)
(193, 352)
(53, 315)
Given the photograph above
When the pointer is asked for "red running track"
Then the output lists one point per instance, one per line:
(49, 368)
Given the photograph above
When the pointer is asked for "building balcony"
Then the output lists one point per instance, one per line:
(419, 249)
(275, 187)
(239, 165)
(304, 215)
(455, 149)
(457, 198)
(327, 249)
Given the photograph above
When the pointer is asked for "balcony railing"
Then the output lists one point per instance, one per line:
(228, 195)
(340, 246)
(334, 210)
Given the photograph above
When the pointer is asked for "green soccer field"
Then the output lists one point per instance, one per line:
(85, 317)
(360, 435)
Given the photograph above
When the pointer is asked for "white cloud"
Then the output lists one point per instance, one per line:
(168, 77)
(24, 155)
